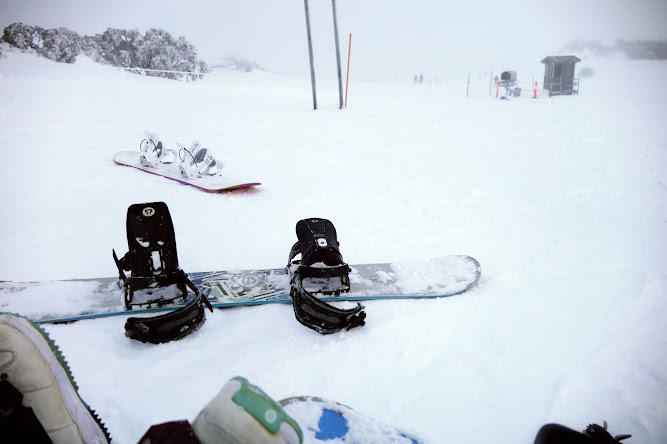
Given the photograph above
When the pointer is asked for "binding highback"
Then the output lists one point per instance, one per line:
(318, 242)
(152, 258)
(151, 239)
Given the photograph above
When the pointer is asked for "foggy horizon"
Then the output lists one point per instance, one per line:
(389, 41)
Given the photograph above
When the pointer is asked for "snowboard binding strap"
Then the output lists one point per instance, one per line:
(321, 265)
(321, 270)
(170, 326)
(318, 315)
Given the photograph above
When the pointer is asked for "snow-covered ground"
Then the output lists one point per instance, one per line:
(563, 201)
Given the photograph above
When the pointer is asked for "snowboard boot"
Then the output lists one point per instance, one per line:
(242, 413)
(320, 270)
(37, 388)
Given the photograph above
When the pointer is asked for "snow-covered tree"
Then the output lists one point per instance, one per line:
(117, 47)
(24, 37)
(61, 45)
(201, 68)
(157, 49)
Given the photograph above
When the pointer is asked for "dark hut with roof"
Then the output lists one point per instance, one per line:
(559, 75)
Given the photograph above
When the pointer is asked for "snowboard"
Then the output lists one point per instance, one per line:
(323, 420)
(213, 184)
(74, 300)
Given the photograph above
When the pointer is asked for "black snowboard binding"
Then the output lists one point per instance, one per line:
(156, 279)
(601, 434)
(593, 434)
(321, 270)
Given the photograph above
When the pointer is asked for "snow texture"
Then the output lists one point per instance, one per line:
(562, 200)
(361, 429)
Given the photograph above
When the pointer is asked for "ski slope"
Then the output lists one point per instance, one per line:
(562, 200)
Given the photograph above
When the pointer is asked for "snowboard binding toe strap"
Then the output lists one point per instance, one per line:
(321, 263)
(170, 326)
(318, 315)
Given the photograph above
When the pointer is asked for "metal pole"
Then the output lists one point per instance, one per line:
(310, 53)
(340, 77)
(347, 79)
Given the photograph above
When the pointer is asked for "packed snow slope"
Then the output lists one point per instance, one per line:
(563, 201)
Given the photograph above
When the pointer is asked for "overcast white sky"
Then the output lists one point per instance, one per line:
(390, 39)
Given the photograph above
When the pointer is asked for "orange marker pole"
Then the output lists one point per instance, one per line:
(347, 78)
(535, 91)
